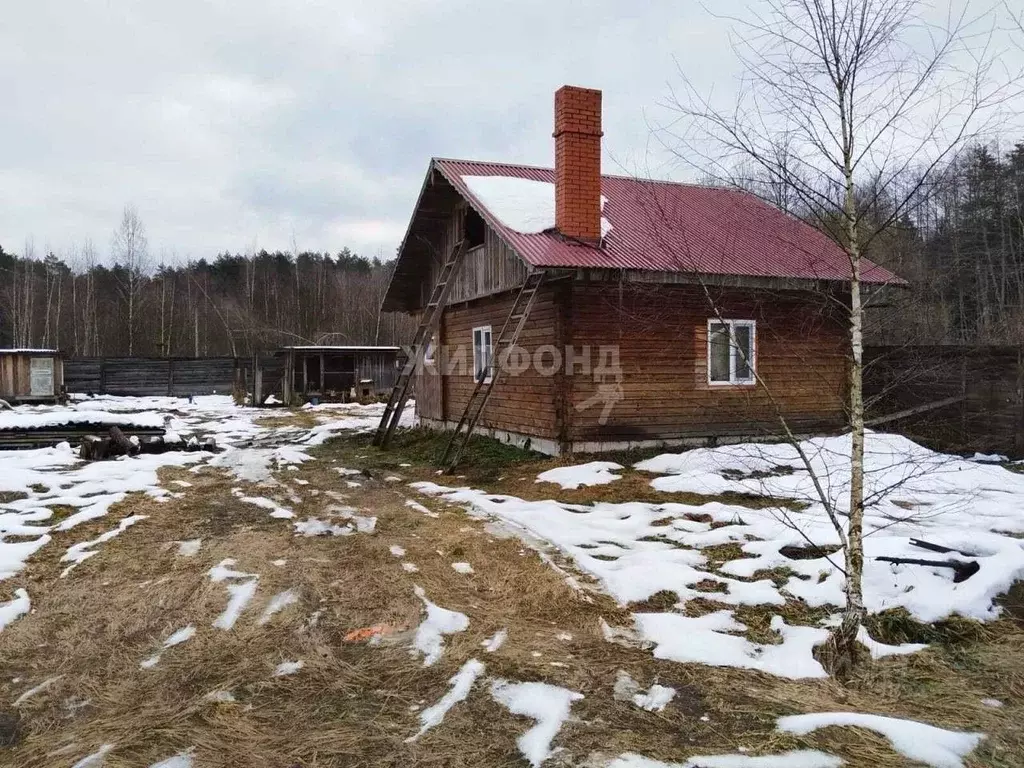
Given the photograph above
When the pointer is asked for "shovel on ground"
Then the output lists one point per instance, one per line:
(962, 569)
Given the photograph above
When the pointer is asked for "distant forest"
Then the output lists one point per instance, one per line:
(229, 305)
(961, 248)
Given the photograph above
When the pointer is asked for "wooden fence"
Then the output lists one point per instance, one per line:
(961, 399)
(144, 376)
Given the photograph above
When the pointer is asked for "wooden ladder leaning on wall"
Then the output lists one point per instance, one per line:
(506, 341)
(428, 329)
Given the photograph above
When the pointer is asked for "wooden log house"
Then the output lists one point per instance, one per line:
(663, 313)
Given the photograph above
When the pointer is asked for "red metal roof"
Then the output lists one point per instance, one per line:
(672, 227)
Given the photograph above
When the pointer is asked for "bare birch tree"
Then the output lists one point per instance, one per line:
(24, 291)
(839, 100)
(130, 250)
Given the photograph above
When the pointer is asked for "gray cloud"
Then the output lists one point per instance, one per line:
(231, 124)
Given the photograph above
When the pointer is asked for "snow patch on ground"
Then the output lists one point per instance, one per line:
(36, 690)
(239, 593)
(989, 458)
(189, 548)
(287, 668)
(918, 494)
(705, 640)
(420, 508)
(927, 744)
(239, 596)
(881, 650)
(177, 638)
(636, 549)
(654, 699)
(340, 521)
(549, 705)
(79, 553)
(275, 509)
(460, 684)
(796, 759)
(15, 608)
(495, 642)
(60, 416)
(463, 568)
(180, 760)
(439, 622)
(592, 473)
(95, 760)
(279, 602)
(57, 477)
(314, 526)
(223, 571)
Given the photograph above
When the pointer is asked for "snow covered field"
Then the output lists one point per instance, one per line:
(34, 484)
(307, 605)
(637, 550)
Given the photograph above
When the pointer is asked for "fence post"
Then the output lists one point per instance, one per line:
(965, 404)
(170, 377)
(1018, 438)
(103, 376)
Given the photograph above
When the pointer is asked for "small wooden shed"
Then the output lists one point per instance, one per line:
(31, 375)
(338, 373)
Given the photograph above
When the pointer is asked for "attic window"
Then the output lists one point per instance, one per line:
(474, 229)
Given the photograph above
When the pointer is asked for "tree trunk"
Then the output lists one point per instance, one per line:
(844, 638)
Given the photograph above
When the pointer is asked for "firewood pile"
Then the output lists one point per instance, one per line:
(116, 443)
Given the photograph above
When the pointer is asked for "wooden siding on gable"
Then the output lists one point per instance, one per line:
(486, 270)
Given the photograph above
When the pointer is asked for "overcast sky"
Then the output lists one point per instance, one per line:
(231, 124)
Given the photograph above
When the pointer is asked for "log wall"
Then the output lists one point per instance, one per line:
(660, 332)
(523, 403)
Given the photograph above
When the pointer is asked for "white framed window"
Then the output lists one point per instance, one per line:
(483, 367)
(732, 351)
(428, 353)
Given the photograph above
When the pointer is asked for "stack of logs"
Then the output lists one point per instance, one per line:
(95, 448)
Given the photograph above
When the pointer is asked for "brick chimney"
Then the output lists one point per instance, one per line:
(578, 162)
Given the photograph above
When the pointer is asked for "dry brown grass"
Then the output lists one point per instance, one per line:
(350, 704)
(632, 486)
(289, 418)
